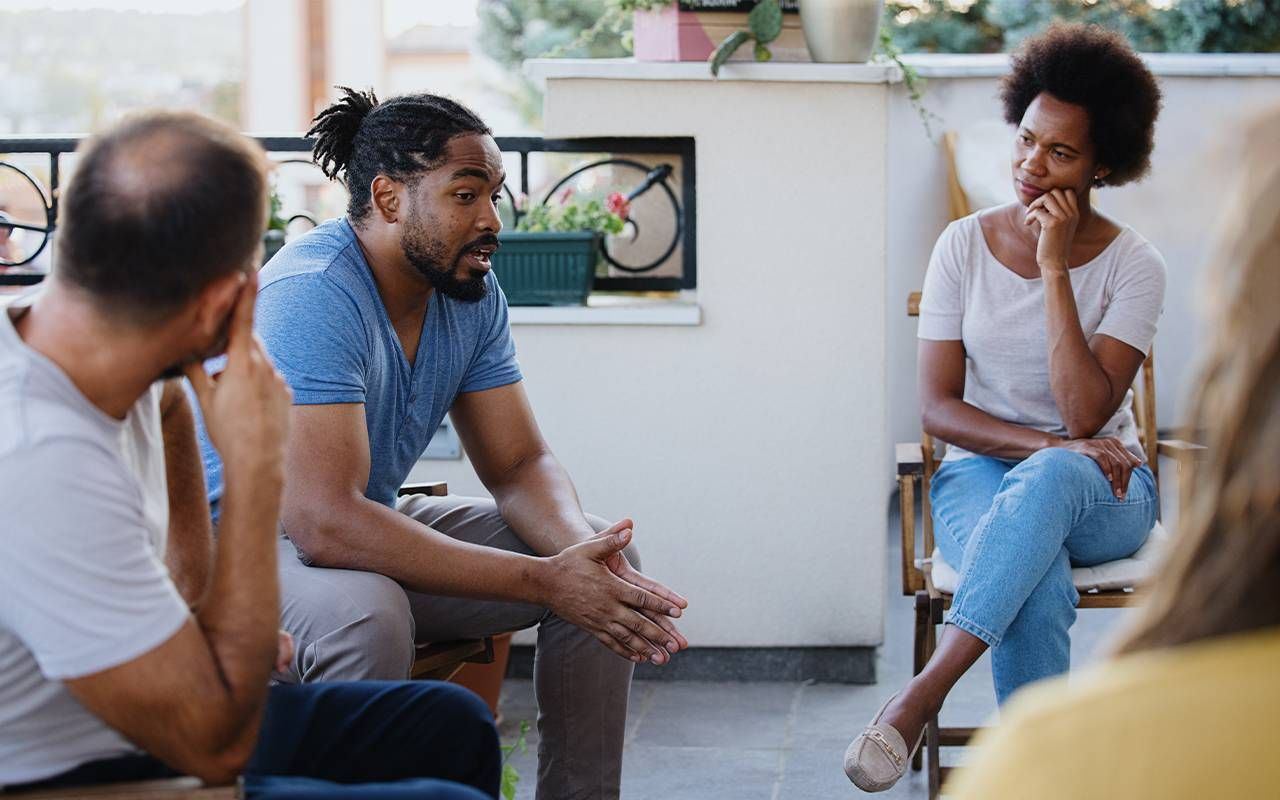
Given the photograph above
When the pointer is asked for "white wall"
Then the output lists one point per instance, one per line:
(1206, 101)
(275, 67)
(751, 449)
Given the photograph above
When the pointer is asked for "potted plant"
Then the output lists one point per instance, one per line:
(844, 31)
(550, 258)
(691, 30)
(273, 239)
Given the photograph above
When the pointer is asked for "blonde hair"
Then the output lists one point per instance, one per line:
(1223, 574)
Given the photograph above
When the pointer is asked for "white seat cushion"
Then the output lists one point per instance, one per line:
(1121, 574)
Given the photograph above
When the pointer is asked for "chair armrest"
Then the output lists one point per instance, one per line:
(1188, 456)
(1180, 450)
(431, 488)
(910, 458)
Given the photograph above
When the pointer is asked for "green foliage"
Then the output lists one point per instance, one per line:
(937, 26)
(275, 213)
(727, 48)
(764, 24)
(1213, 26)
(911, 79)
(641, 5)
(991, 26)
(571, 215)
(512, 31)
(765, 21)
(511, 778)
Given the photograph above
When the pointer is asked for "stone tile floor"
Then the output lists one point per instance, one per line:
(776, 741)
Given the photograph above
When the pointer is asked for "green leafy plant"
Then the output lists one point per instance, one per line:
(764, 24)
(993, 26)
(273, 237)
(572, 214)
(275, 214)
(911, 79)
(511, 778)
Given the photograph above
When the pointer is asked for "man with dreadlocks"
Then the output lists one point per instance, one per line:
(382, 322)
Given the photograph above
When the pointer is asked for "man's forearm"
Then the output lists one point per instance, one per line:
(538, 501)
(240, 614)
(357, 533)
(189, 550)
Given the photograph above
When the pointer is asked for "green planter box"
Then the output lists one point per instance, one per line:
(547, 269)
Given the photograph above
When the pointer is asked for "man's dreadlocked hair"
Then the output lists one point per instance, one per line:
(359, 138)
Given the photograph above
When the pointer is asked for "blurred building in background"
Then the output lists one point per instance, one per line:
(73, 66)
(296, 51)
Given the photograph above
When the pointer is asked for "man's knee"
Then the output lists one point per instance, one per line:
(599, 524)
(374, 640)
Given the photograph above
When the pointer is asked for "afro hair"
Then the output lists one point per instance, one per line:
(1091, 67)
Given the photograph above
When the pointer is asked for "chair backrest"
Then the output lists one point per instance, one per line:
(957, 200)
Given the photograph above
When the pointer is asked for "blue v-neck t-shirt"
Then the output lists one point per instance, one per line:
(325, 326)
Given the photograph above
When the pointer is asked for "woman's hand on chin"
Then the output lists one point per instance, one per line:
(1055, 216)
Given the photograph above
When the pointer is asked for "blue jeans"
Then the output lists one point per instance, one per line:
(1013, 530)
(380, 740)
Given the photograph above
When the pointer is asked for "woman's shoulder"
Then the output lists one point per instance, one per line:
(980, 227)
(1128, 243)
(961, 242)
(968, 226)
(1134, 257)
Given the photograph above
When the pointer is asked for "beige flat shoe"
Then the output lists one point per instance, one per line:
(877, 758)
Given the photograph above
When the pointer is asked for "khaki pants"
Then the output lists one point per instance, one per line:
(350, 625)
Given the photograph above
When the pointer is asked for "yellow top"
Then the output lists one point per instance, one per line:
(1194, 722)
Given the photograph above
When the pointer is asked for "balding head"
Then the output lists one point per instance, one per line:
(160, 206)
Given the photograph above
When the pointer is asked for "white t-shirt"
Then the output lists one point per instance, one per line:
(84, 514)
(999, 316)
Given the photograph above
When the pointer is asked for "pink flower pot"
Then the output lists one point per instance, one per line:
(671, 34)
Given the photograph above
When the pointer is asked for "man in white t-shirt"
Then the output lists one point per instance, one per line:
(132, 645)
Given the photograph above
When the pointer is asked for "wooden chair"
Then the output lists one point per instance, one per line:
(433, 661)
(921, 563)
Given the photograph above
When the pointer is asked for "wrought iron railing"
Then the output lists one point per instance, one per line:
(656, 252)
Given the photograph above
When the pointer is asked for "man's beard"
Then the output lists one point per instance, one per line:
(429, 256)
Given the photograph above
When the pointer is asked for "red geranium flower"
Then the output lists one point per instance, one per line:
(618, 204)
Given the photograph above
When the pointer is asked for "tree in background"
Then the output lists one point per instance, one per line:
(943, 26)
(1183, 26)
(1215, 26)
(512, 31)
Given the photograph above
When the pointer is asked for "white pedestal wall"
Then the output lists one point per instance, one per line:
(751, 449)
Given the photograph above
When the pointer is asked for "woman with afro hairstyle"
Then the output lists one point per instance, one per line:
(1034, 320)
(1187, 707)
